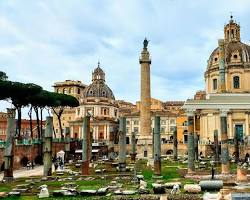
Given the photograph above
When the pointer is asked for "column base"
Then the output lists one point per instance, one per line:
(122, 167)
(157, 168)
(8, 179)
(190, 172)
(85, 168)
(133, 157)
(225, 169)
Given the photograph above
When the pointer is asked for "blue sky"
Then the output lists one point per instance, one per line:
(54, 40)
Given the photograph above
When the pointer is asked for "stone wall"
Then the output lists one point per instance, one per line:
(30, 152)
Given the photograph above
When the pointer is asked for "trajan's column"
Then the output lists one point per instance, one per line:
(145, 137)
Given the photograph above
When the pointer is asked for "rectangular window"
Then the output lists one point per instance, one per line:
(136, 122)
(185, 139)
(162, 129)
(214, 84)
(127, 122)
(163, 122)
(172, 121)
(136, 129)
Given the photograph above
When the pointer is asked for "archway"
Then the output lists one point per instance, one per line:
(24, 161)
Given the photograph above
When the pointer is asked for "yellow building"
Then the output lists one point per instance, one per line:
(171, 116)
(70, 87)
(227, 80)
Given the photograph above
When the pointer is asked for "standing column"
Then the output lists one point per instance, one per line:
(191, 167)
(145, 105)
(9, 146)
(85, 145)
(196, 149)
(216, 146)
(111, 143)
(157, 146)
(225, 167)
(47, 148)
(175, 149)
(247, 123)
(67, 143)
(133, 147)
(122, 144)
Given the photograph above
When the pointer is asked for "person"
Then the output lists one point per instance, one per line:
(56, 165)
(212, 172)
(61, 164)
(32, 164)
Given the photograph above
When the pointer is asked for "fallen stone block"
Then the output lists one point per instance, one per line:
(170, 185)
(211, 185)
(88, 192)
(158, 188)
(192, 188)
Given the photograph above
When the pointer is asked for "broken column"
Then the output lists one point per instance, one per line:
(47, 148)
(85, 145)
(225, 167)
(122, 144)
(216, 146)
(9, 146)
(175, 149)
(157, 146)
(191, 152)
(67, 143)
(133, 147)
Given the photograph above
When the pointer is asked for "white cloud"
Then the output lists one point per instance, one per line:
(48, 41)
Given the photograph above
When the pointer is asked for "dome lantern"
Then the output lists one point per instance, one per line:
(98, 76)
(232, 31)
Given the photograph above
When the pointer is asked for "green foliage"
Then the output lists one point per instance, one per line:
(3, 76)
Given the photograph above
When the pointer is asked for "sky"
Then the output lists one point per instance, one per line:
(47, 41)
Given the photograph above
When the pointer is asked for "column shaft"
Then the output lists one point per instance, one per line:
(157, 146)
(133, 147)
(225, 168)
(216, 146)
(9, 146)
(122, 143)
(191, 167)
(67, 143)
(47, 148)
(175, 149)
(85, 145)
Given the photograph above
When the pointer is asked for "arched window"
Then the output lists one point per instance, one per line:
(105, 112)
(78, 91)
(236, 80)
(70, 90)
(215, 84)
(64, 91)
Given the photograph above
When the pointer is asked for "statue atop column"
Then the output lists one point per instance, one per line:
(145, 43)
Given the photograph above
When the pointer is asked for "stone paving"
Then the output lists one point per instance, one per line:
(37, 171)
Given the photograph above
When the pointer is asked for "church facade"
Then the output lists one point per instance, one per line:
(224, 108)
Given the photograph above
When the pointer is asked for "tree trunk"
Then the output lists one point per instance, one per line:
(41, 120)
(59, 114)
(54, 131)
(19, 118)
(37, 122)
(31, 128)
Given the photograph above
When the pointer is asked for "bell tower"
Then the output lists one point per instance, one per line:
(232, 31)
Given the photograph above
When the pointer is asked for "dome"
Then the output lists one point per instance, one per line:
(98, 88)
(235, 52)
